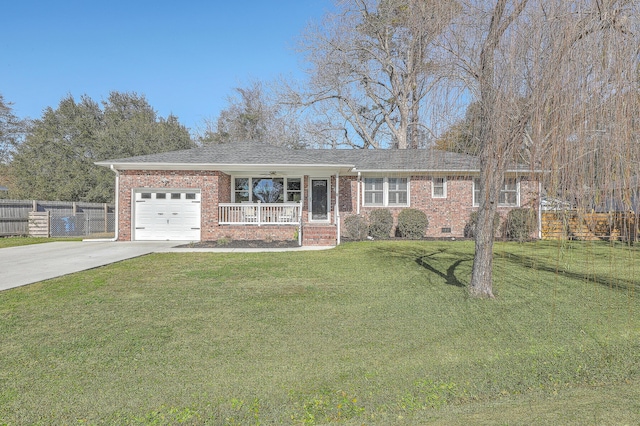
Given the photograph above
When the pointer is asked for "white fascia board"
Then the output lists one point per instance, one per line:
(231, 168)
(416, 170)
(440, 171)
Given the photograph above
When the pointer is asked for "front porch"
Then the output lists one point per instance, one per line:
(271, 222)
(247, 213)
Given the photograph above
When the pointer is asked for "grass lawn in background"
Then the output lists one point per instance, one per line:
(367, 333)
(23, 241)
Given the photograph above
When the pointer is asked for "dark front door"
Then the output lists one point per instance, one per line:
(319, 199)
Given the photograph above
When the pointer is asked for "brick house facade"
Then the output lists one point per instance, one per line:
(205, 193)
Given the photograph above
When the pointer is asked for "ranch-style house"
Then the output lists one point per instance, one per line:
(255, 191)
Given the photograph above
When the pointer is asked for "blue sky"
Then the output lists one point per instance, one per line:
(185, 57)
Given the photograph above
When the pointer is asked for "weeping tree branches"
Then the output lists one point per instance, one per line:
(541, 73)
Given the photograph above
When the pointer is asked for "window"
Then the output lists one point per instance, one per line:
(293, 193)
(439, 187)
(509, 193)
(508, 197)
(190, 196)
(161, 196)
(373, 191)
(175, 195)
(397, 191)
(145, 195)
(267, 190)
(241, 190)
(380, 191)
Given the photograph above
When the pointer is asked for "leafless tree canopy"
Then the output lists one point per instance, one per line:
(372, 66)
(254, 113)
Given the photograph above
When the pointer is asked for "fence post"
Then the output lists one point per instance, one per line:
(39, 224)
(35, 206)
(106, 217)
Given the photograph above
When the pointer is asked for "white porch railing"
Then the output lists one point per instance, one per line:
(259, 213)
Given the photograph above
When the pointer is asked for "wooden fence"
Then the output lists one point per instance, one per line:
(27, 217)
(575, 225)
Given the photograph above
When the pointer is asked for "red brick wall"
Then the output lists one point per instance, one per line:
(215, 188)
(207, 181)
(451, 212)
(255, 232)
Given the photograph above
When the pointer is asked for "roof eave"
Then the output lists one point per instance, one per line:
(240, 167)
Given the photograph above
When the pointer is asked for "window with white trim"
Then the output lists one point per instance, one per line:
(374, 191)
(386, 191)
(509, 192)
(266, 190)
(439, 187)
(397, 191)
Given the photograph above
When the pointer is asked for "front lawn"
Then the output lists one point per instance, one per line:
(367, 333)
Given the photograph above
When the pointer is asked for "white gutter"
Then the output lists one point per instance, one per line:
(454, 171)
(117, 207)
(228, 167)
(337, 209)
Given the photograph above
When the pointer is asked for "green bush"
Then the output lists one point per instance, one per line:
(470, 227)
(520, 224)
(356, 227)
(412, 224)
(380, 223)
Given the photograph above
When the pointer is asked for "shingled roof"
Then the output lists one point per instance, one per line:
(260, 154)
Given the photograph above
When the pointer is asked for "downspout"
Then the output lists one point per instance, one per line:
(358, 192)
(337, 208)
(539, 210)
(117, 201)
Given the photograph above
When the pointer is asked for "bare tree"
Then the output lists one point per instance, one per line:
(542, 72)
(371, 70)
(254, 113)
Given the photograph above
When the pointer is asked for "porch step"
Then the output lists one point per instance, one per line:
(323, 235)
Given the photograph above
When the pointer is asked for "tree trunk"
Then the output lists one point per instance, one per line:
(490, 172)
(482, 273)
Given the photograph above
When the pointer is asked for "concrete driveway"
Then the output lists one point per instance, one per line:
(37, 262)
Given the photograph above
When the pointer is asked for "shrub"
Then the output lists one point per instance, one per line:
(223, 241)
(357, 228)
(380, 223)
(470, 227)
(520, 224)
(412, 223)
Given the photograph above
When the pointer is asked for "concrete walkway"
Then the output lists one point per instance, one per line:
(38, 262)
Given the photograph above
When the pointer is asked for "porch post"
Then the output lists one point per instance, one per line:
(300, 221)
(358, 192)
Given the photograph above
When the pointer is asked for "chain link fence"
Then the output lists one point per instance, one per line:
(81, 224)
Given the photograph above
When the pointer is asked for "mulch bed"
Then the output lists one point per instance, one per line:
(243, 244)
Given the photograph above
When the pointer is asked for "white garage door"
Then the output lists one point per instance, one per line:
(167, 215)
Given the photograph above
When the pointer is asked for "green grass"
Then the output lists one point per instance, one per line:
(23, 241)
(367, 333)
